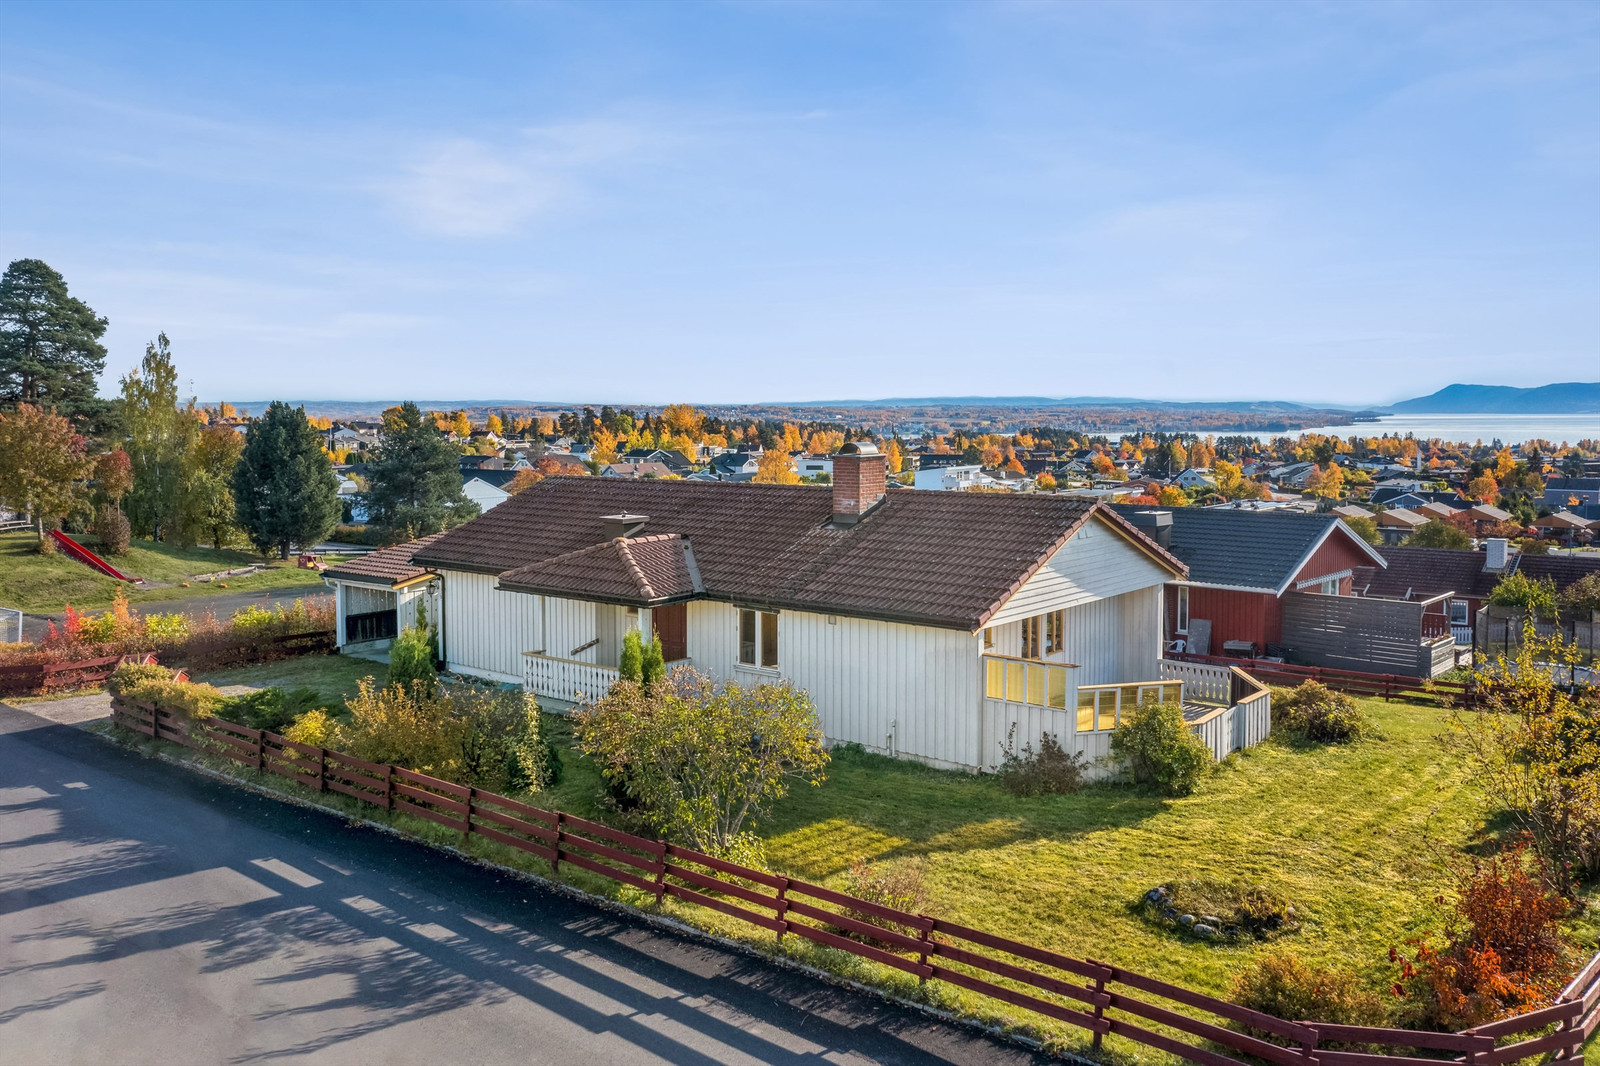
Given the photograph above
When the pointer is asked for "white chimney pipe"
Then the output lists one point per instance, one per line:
(1497, 552)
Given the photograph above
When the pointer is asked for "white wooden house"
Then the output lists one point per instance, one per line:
(923, 624)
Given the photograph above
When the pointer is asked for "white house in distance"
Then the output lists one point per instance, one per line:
(923, 624)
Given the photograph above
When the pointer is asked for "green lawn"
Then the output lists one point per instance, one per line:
(335, 676)
(1354, 835)
(45, 584)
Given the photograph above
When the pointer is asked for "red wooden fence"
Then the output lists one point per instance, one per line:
(32, 679)
(1095, 996)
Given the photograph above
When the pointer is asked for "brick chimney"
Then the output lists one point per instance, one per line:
(860, 479)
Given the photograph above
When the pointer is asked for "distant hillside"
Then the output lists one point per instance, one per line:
(1565, 398)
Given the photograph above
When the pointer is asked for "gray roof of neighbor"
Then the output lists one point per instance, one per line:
(947, 559)
(1243, 549)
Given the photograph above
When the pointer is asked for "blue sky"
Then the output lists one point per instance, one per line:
(795, 201)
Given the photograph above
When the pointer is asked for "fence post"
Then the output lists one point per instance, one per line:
(322, 769)
(1099, 986)
(922, 954)
(555, 864)
(261, 750)
(388, 787)
(661, 871)
(783, 907)
(466, 817)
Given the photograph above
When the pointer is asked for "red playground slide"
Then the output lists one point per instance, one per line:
(87, 557)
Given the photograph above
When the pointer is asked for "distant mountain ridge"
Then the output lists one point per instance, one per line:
(1563, 398)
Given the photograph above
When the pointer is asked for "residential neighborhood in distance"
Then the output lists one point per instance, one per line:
(705, 534)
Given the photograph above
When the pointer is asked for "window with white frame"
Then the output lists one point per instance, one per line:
(1458, 613)
(1183, 610)
(1329, 586)
(758, 638)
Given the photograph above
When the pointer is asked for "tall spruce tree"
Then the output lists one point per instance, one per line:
(50, 350)
(284, 489)
(415, 478)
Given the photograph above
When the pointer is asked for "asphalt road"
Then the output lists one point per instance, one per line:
(148, 914)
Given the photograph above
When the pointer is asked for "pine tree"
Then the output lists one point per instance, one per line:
(50, 350)
(284, 490)
(415, 478)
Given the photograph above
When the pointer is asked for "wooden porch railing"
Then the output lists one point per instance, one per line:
(570, 680)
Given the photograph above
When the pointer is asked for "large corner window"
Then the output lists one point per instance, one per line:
(758, 638)
(1183, 610)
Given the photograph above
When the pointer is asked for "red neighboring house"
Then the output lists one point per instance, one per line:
(1241, 565)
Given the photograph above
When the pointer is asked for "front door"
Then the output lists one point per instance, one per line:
(672, 626)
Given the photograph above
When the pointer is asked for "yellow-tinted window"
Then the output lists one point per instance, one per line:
(1036, 683)
(997, 680)
(1015, 686)
(1058, 689)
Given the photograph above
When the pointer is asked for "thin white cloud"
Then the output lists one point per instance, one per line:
(468, 188)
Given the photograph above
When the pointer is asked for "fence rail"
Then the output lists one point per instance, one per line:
(1355, 682)
(1097, 997)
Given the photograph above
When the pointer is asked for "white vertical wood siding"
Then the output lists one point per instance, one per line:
(1097, 563)
(899, 689)
(486, 630)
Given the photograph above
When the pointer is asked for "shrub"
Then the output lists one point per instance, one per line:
(1048, 771)
(112, 531)
(1582, 597)
(700, 760)
(272, 709)
(316, 728)
(1285, 986)
(130, 674)
(1159, 748)
(1315, 712)
(472, 735)
(902, 886)
(165, 630)
(654, 666)
(149, 683)
(1503, 952)
(412, 657)
(1532, 748)
(1519, 590)
(631, 663)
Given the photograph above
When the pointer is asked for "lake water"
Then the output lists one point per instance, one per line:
(1507, 429)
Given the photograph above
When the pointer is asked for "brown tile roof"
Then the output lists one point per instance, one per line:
(387, 566)
(933, 558)
(641, 572)
(1428, 572)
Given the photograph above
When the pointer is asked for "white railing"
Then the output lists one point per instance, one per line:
(1463, 634)
(1026, 699)
(569, 680)
(1202, 682)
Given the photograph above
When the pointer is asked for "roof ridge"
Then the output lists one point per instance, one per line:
(625, 550)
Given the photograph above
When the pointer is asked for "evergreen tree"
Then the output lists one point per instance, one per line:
(50, 350)
(284, 489)
(159, 436)
(415, 478)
